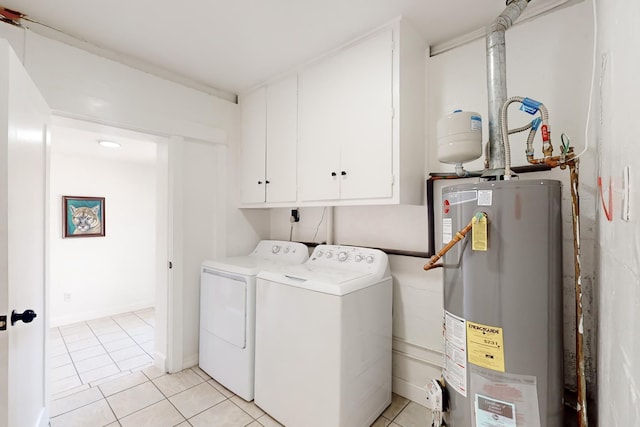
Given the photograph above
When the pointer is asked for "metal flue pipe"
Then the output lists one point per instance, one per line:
(497, 79)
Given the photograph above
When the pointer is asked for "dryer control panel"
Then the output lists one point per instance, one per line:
(350, 258)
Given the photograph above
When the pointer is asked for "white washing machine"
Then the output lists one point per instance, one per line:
(227, 311)
(323, 339)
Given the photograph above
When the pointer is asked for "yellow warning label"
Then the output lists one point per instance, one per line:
(479, 233)
(485, 346)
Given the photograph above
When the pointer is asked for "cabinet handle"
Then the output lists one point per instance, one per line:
(259, 182)
(343, 173)
(333, 174)
(266, 182)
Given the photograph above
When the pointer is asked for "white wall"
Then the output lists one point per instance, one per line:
(103, 275)
(615, 118)
(538, 66)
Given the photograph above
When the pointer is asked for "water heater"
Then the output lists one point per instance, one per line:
(503, 304)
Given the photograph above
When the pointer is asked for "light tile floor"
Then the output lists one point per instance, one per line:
(102, 374)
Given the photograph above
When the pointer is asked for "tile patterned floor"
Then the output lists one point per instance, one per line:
(103, 375)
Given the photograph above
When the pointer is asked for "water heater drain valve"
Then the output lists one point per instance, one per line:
(436, 402)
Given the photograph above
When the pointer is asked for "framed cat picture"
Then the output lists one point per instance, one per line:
(82, 216)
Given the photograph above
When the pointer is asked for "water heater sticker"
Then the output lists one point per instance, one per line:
(485, 345)
(513, 389)
(494, 413)
(485, 197)
(455, 360)
(476, 123)
(447, 230)
(460, 197)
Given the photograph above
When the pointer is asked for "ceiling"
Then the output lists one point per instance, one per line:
(79, 139)
(233, 45)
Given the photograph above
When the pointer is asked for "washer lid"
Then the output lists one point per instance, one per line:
(322, 274)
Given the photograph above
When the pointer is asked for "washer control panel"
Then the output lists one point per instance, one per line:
(293, 252)
(350, 258)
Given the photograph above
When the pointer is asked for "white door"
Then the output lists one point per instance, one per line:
(197, 194)
(282, 139)
(254, 126)
(320, 113)
(24, 117)
(367, 139)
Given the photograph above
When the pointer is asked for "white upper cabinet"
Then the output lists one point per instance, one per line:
(269, 143)
(345, 117)
(357, 119)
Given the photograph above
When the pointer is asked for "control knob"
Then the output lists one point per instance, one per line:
(329, 254)
(369, 259)
(342, 256)
(359, 258)
(275, 249)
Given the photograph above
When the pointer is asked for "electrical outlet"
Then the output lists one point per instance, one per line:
(67, 296)
(295, 215)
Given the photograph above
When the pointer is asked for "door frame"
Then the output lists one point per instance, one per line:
(168, 353)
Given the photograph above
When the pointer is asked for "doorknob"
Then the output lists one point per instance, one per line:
(26, 317)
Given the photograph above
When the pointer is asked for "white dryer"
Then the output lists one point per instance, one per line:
(323, 339)
(227, 311)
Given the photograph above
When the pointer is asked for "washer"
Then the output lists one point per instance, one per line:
(227, 311)
(323, 339)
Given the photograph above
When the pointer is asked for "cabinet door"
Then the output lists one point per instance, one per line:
(346, 113)
(254, 121)
(366, 159)
(282, 137)
(319, 135)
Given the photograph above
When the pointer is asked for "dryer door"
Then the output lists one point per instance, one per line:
(224, 304)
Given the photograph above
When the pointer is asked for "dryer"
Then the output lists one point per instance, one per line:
(323, 339)
(227, 311)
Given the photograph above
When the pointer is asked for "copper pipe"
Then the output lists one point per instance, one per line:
(459, 236)
(552, 162)
(581, 380)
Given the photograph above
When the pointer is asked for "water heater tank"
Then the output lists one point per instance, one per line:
(503, 304)
(460, 137)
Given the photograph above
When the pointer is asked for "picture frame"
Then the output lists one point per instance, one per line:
(83, 216)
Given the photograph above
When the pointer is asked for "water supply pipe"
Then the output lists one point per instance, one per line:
(580, 363)
(533, 107)
(456, 238)
(497, 79)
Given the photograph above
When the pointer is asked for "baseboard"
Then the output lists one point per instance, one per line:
(190, 361)
(413, 367)
(67, 319)
(410, 391)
